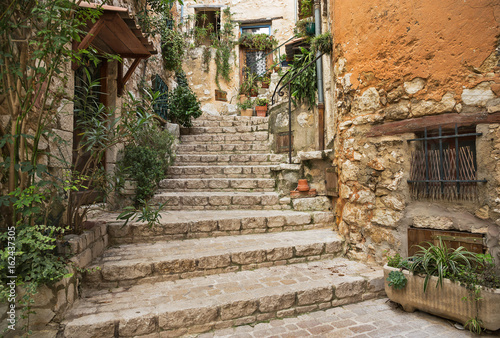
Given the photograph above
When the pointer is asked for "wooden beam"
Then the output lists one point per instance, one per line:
(92, 34)
(131, 70)
(446, 121)
(122, 80)
(119, 79)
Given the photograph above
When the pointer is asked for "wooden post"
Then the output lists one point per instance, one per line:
(321, 125)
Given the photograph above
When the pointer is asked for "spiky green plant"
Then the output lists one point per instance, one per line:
(441, 261)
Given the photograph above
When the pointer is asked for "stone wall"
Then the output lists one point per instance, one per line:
(52, 301)
(432, 61)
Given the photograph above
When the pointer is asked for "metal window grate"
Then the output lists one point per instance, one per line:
(444, 173)
(161, 105)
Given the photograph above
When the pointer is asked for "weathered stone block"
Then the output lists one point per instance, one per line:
(126, 271)
(355, 286)
(175, 266)
(253, 222)
(276, 221)
(248, 257)
(433, 222)
(308, 249)
(277, 254)
(316, 295)
(186, 317)
(276, 302)
(130, 326)
(238, 309)
(213, 262)
(229, 224)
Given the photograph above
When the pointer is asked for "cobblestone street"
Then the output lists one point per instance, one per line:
(370, 319)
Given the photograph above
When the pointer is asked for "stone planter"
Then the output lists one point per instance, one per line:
(445, 301)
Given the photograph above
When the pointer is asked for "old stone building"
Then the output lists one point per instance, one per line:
(406, 70)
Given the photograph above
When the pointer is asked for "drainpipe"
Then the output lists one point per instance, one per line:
(319, 76)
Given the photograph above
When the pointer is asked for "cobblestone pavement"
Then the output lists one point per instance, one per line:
(369, 319)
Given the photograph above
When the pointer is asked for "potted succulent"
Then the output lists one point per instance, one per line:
(261, 107)
(246, 108)
(451, 283)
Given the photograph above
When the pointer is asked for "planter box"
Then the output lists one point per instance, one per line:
(445, 301)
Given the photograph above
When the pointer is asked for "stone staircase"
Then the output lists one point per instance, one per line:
(228, 251)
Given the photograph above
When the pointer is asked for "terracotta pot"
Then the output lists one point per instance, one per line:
(242, 98)
(294, 193)
(265, 85)
(261, 111)
(247, 112)
(303, 186)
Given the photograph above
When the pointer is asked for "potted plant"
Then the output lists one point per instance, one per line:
(261, 107)
(261, 41)
(451, 283)
(249, 86)
(246, 108)
(265, 81)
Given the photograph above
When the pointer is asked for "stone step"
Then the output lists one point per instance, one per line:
(223, 129)
(215, 171)
(132, 264)
(259, 136)
(219, 184)
(203, 148)
(229, 121)
(229, 159)
(225, 200)
(176, 225)
(200, 304)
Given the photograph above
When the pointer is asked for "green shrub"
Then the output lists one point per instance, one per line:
(261, 102)
(146, 160)
(322, 43)
(247, 104)
(183, 104)
(304, 86)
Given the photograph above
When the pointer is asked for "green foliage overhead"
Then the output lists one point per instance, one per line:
(304, 86)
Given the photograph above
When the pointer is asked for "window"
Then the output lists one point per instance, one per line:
(207, 22)
(443, 165)
(260, 29)
(256, 60)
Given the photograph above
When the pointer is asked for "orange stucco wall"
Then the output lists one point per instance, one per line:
(444, 41)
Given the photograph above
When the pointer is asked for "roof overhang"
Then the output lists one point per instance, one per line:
(116, 32)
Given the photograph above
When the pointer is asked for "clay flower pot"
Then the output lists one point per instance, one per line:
(247, 112)
(261, 111)
(303, 186)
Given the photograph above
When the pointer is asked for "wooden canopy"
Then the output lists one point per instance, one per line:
(116, 32)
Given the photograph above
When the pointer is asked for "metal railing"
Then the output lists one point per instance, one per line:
(280, 92)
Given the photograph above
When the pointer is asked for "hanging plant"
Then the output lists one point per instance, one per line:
(322, 43)
(206, 57)
(173, 48)
(304, 87)
(223, 43)
(258, 41)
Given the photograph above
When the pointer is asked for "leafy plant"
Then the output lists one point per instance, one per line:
(247, 104)
(223, 43)
(183, 104)
(397, 280)
(173, 49)
(261, 102)
(306, 8)
(441, 261)
(260, 42)
(207, 56)
(474, 325)
(249, 84)
(394, 261)
(304, 86)
(322, 43)
(143, 214)
(302, 27)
